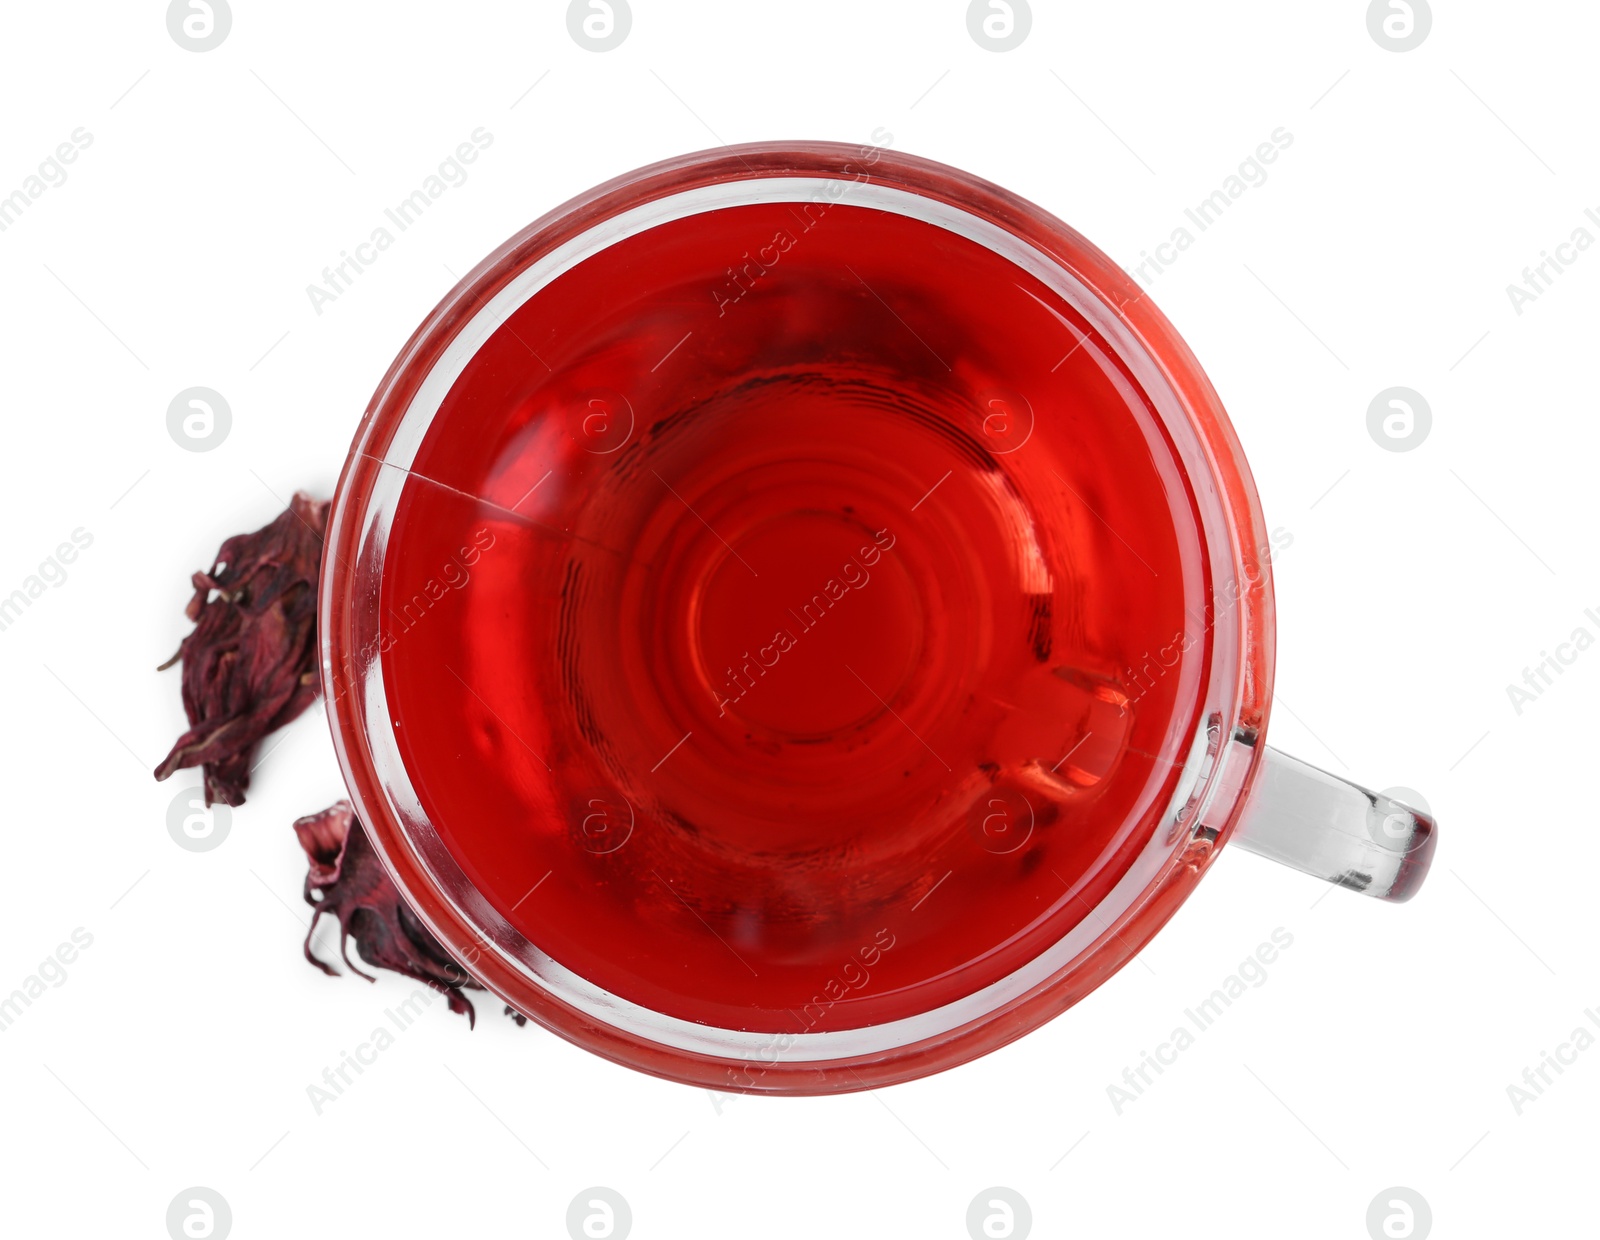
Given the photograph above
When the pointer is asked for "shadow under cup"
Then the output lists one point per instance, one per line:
(788, 619)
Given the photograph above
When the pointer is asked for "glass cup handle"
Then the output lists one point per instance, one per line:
(1337, 830)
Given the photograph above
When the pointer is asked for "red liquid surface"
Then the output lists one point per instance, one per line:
(765, 644)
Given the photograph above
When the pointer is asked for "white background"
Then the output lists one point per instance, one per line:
(1379, 1050)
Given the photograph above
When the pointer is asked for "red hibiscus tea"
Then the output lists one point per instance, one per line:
(785, 617)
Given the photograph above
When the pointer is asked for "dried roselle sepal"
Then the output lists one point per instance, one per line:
(249, 667)
(348, 882)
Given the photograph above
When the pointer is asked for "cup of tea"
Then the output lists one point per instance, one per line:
(797, 617)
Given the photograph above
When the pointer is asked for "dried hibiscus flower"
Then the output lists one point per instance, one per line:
(348, 882)
(249, 667)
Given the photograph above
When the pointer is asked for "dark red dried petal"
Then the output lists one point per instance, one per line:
(348, 882)
(250, 666)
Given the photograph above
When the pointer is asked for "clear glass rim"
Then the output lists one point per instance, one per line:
(1233, 696)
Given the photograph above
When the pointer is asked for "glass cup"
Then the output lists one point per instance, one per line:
(892, 923)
